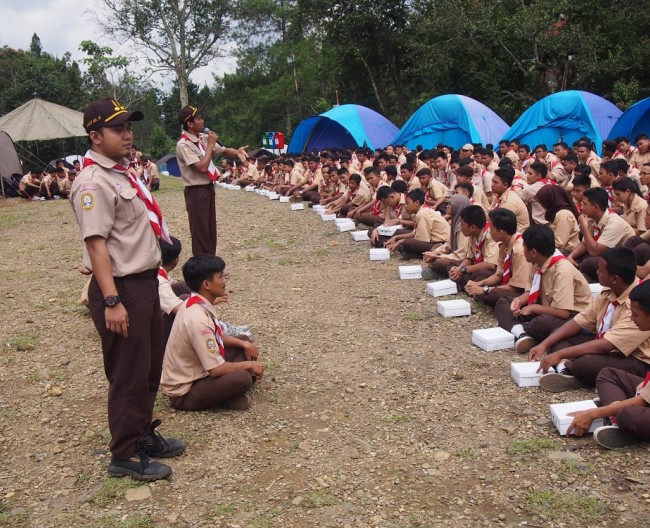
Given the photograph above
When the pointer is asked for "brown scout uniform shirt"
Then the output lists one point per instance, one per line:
(563, 287)
(430, 226)
(187, 154)
(520, 268)
(614, 230)
(512, 202)
(567, 232)
(106, 205)
(623, 334)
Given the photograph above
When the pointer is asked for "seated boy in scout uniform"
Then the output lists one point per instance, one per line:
(373, 212)
(172, 293)
(357, 194)
(482, 255)
(436, 192)
(513, 272)
(558, 292)
(203, 367)
(506, 198)
(431, 229)
(393, 203)
(603, 335)
(624, 397)
(600, 230)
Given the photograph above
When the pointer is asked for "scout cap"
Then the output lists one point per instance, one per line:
(189, 112)
(468, 146)
(108, 112)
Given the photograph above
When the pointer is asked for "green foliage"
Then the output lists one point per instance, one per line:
(561, 505)
(159, 142)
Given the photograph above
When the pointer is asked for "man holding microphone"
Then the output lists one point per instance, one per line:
(194, 153)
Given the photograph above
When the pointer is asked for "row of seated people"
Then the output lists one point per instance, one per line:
(52, 183)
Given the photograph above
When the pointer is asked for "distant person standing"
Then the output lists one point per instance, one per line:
(120, 224)
(194, 153)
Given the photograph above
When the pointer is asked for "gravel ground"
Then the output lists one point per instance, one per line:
(375, 410)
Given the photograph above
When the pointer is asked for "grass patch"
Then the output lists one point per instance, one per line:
(464, 454)
(271, 367)
(26, 341)
(15, 518)
(572, 468)
(323, 252)
(396, 418)
(321, 498)
(162, 403)
(287, 262)
(169, 184)
(10, 219)
(276, 244)
(112, 489)
(414, 316)
(252, 257)
(292, 447)
(532, 446)
(562, 505)
(223, 510)
(113, 521)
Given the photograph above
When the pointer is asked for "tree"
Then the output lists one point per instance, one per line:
(178, 36)
(35, 46)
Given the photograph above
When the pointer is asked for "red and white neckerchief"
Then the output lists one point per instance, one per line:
(498, 199)
(162, 272)
(399, 208)
(212, 170)
(533, 295)
(610, 195)
(479, 243)
(608, 319)
(218, 332)
(472, 201)
(156, 219)
(597, 231)
(376, 208)
(507, 264)
(579, 207)
(546, 181)
(526, 162)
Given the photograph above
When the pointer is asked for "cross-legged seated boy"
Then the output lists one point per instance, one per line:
(608, 230)
(393, 204)
(557, 293)
(371, 213)
(431, 229)
(357, 194)
(624, 397)
(455, 249)
(513, 272)
(482, 255)
(602, 335)
(204, 368)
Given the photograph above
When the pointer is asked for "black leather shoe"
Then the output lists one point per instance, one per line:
(139, 467)
(159, 447)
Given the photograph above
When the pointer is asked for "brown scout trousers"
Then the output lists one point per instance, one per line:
(209, 392)
(617, 385)
(202, 214)
(133, 365)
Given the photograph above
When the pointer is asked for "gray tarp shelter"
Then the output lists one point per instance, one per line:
(39, 120)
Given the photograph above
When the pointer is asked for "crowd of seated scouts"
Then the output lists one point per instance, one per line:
(55, 182)
(523, 230)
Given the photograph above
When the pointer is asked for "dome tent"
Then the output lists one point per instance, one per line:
(633, 122)
(565, 116)
(343, 126)
(453, 120)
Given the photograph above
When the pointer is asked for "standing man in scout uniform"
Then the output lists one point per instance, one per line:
(120, 225)
(194, 153)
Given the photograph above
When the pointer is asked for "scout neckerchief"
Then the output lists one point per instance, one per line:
(162, 272)
(610, 192)
(399, 208)
(644, 384)
(212, 170)
(218, 332)
(597, 231)
(607, 320)
(546, 181)
(479, 243)
(156, 219)
(507, 263)
(537, 278)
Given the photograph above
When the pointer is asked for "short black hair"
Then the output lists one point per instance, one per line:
(582, 181)
(540, 168)
(506, 174)
(503, 219)
(423, 172)
(391, 170)
(541, 238)
(467, 186)
(627, 184)
(417, 195)
(599, 197)
(610, 166)
(399, 186)
(583, 170)
(170, 252)
(200, 268)
(407, 166)
(641, 294)
(384, 192)
(621, 261)
(474, 215)
(571, 156)
(355, 178)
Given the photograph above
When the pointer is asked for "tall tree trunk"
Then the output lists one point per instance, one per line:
(182, 88)
(372, 81)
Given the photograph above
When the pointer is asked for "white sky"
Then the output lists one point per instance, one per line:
(63, 24)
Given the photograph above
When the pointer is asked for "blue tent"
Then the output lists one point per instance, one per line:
(565, 116)
(453, 120)
(170, 165)
(633, 122)
(343, 126)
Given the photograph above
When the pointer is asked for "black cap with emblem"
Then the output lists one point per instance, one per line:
(189, 112)
(108, 112)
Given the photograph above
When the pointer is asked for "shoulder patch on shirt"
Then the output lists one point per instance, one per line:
(211, 345)
(87, 188)
(87, 201)
(206, 331)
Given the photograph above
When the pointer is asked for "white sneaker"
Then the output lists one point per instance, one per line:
(611, 437)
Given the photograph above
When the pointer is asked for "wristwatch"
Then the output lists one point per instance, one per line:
(486, 289)
(112, 300)
(463, 269)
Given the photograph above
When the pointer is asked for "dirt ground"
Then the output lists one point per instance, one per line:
(375, 410)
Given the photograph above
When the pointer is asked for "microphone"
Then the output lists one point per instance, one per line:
(206, 130)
